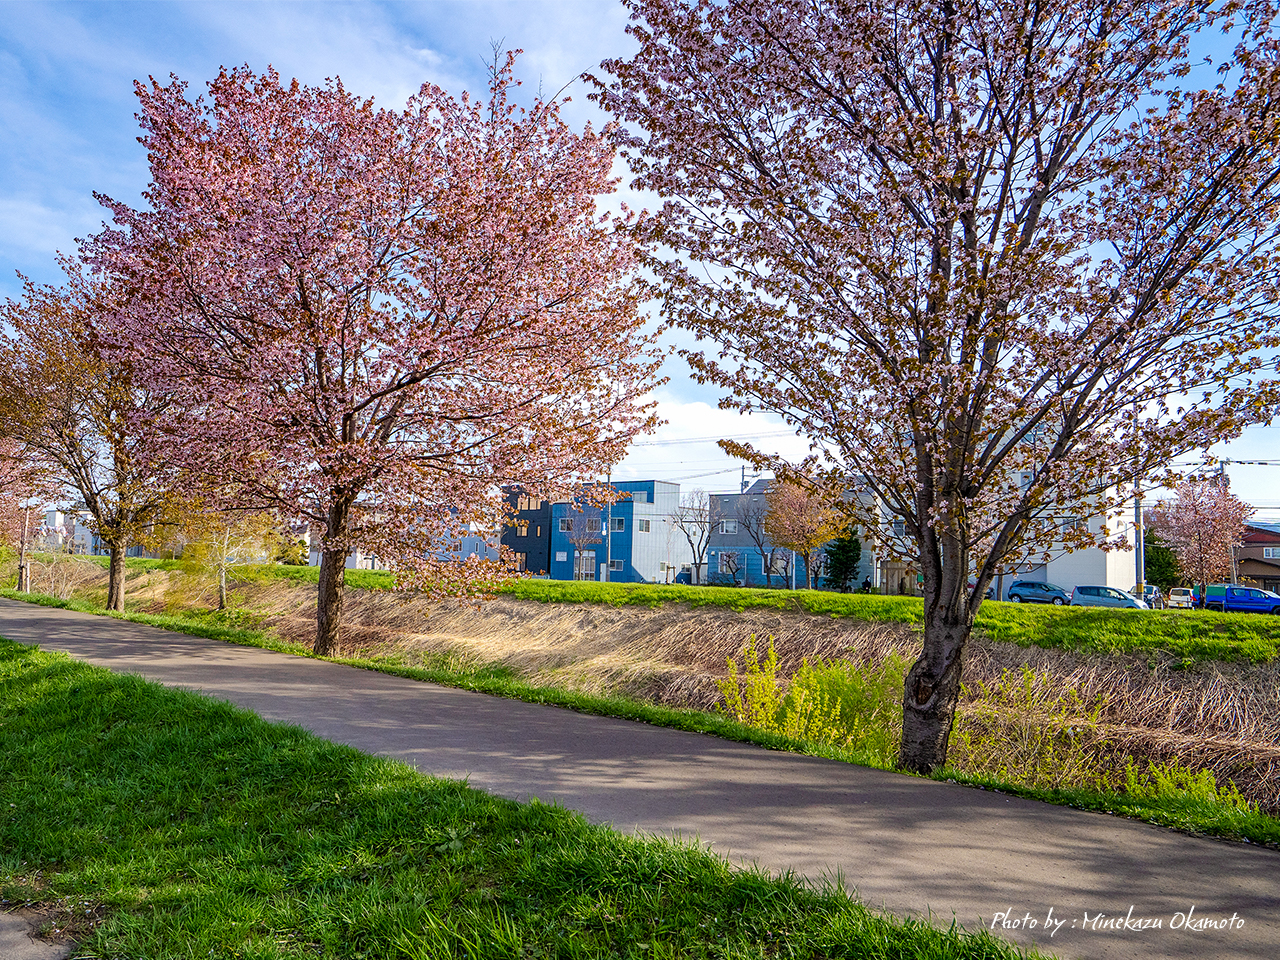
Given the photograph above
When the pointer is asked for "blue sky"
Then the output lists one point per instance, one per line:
(67, 129)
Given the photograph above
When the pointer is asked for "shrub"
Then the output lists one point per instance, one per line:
(836, 703)
(1022, 729)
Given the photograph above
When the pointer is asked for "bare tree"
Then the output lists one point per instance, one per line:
(694, 519)
(584, 531)
(752, 512)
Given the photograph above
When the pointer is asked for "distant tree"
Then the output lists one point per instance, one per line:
(752, 511)
(217, 541)
(843, 555)
(585, 530)
(83, 419)
(373, 320)
(801, 519)
(292, 552)
(1203, 526)
(730, 563)
(23, 486)
(694, 518)
(1160, 562)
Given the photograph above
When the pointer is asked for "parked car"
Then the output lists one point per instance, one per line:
(991, 591)
(1151, 594)
(1182, 597)
(1233, 598)
(1037, 591)
(1090, 596)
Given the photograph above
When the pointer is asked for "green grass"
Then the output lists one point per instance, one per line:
(195, 829)
(1172, 809)
(1189, 635)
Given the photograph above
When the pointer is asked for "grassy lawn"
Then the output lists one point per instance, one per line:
(1192, 635)
(182, 827)
(1195, 810)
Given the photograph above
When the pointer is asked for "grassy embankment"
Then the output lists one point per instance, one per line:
(1191, 635)
(1181, 798)
(158, 823)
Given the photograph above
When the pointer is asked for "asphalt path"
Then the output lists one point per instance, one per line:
(1076, 884)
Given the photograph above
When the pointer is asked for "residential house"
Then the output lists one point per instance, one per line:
(741, 553)
(634, 540)
(1258, 556)
(1091, 565)
(527, 533)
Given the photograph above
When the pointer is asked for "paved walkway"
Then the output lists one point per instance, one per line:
(905, 844)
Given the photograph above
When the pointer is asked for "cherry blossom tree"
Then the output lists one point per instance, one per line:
(995, 261)
(800, 519)
(374, 319)
(1203, 526)
(80, 420)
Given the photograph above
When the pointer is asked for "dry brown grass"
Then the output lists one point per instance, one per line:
(1223, 717)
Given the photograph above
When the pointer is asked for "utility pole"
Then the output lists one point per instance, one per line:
(1140, 545)
(608, 534)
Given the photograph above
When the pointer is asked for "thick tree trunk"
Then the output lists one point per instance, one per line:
(932, 687)
(329, 601)
(930, 695)
(333, 563)
(115, 577)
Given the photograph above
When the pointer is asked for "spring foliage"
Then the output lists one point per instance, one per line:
(976, 253)
(371, 320)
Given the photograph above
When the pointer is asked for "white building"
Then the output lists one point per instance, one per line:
(1090, 566)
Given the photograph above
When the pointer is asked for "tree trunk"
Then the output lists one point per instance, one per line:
(222, 586)
(329, 601)
(930, 694)
(24, 572)
(115, 577)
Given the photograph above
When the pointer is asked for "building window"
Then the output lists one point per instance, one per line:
(615, 566)
(562, 556)
(539, 530)
(779, 565)
(522, 528)
(522, 562)
(728, 527)
(1271, 553)
(566, 525)
(584, 565)
(593, 524)
(640, 496)
(528, 503)
(642, 526)
(617, 525)
(728, 562)
(899, 528)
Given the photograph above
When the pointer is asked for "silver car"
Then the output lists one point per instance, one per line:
(1090, 596)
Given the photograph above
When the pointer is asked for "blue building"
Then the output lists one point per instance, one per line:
(740, 552)
(632, 541)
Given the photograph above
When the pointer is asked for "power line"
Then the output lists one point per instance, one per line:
(712, 439)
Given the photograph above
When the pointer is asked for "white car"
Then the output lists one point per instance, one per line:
(1181, 597)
